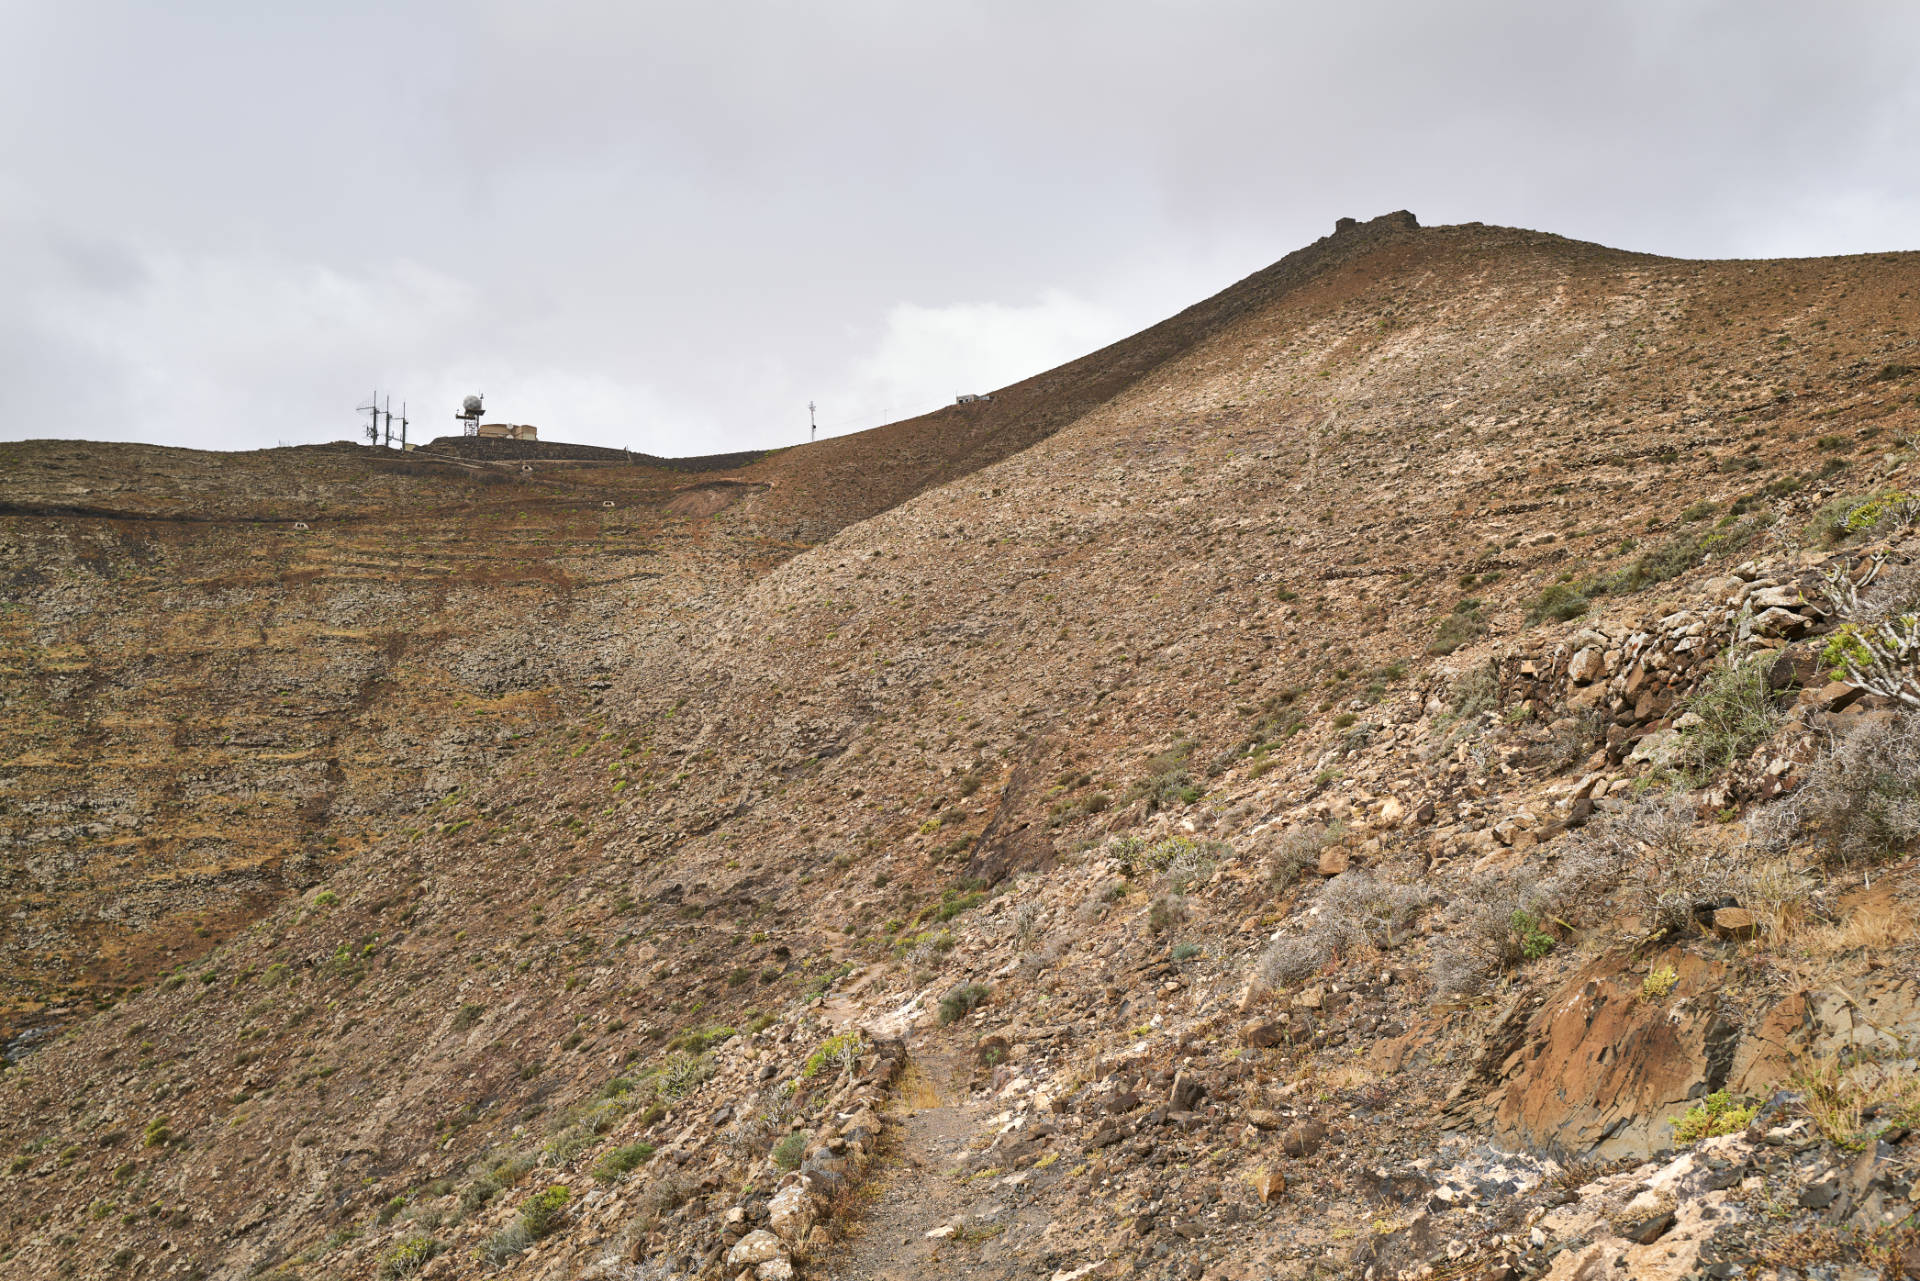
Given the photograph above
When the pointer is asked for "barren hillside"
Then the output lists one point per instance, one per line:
(1318, 789)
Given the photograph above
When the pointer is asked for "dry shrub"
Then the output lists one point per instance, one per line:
(1298, 849)
(1861, 798)
(1356, 913)
(1665, 862)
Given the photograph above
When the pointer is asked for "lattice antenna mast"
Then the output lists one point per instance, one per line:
(372, 410)
(470, 410)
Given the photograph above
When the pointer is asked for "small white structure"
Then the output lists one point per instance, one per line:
(968, 399)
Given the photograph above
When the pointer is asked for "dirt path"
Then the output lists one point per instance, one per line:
(914, 1191)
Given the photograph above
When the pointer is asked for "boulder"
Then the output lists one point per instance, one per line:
(1303, 1139)
(757, 1247)
(1779, 622)
(790, 1213)
(1587, 666)
(1734, 923)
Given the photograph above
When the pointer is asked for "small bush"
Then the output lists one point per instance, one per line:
(1659, 981)
(1736, 714)
(842, 1047)
(1854, 514)
(1298, 849)
(1357, 913)
(962, 1001)
(1530, 940)
(509, 1241)
(1166, 911)
(1675, 557)
(1476, 691)
(1561, 601)
(1713, 1116)
(1186, 951)
(788, 1152)
(1168, 781)
(622, 1161)
(1861, 798)
(541, 1213)
(408, 1258)
(1463, 625)
(466, 1016)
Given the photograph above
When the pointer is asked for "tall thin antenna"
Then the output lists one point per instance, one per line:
(372, 411)
(813, 430)
(403, 426)
(388, 411)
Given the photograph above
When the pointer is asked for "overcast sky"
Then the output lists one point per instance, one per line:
(670, 226)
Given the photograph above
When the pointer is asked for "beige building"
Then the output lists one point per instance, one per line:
(510, 431)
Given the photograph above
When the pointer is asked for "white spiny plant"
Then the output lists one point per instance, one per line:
(1880, 657)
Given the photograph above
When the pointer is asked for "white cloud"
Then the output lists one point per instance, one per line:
(928, 355)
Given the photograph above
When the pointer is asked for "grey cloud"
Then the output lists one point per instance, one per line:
(671, 225)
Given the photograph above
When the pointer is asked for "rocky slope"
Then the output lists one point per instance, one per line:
(1317, 790)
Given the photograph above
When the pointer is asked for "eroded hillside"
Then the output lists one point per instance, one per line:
(1322, 807)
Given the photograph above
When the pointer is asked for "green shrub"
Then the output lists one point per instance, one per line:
(1464, 624)
(700, 1040)
(1168, 781)
(962, 1001)
(832, 1050)
(1844, 646)
(953, 902)
(1853, 514)
(622, 1161)
(1736, 714)
(541, 1213)
(1530, 942)
(1675, 556)
(408, 1258)
(1561, 601)
(1186, 951)
(788, 1152)
(1713, 1116)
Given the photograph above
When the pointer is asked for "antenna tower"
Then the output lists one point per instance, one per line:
(470, 410)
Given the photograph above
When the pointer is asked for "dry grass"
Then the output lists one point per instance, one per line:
(917, 1091)
(1776, 894)
(1877, 929)
(1837, 1097)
